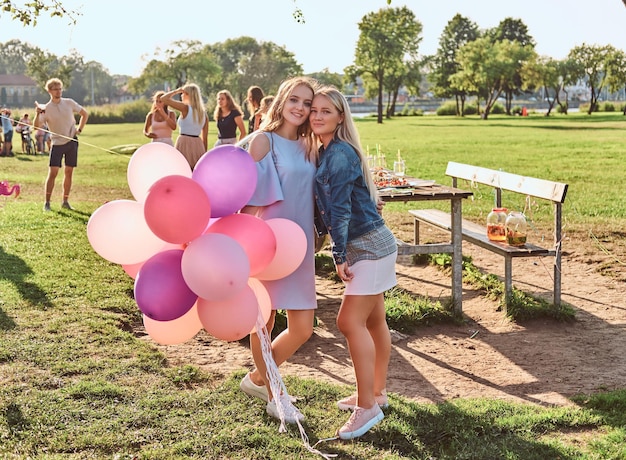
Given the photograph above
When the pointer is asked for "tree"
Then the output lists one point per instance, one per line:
(386, 38)
(593, 65)
(617, 73)
(326, 77)
(458, 32)
(30, 11)
(186, 61)
(246, 62)
(513, 30)
(487, 68)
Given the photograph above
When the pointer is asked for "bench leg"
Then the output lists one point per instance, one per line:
(457, 256)
(508, 281)
(416, 231)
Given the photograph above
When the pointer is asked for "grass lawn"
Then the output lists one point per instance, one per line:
(76, 383)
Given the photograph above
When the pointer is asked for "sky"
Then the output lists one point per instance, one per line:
(123, 35)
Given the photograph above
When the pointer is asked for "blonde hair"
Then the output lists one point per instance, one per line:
(275, 119)
(195, 101)
(232, 105)
(53, 81)
(266, 102)
(347, 132)
(155, 98)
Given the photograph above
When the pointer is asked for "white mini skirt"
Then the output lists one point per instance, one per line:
(372, 276)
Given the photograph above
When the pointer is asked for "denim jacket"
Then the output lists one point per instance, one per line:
(342, 197)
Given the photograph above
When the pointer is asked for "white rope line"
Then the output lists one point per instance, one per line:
(283, 401)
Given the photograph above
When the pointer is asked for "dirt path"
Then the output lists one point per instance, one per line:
(540, 362)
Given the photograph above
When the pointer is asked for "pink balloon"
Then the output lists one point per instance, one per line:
(230, 319)
(291, 245)
(151, 162)
(228, 175)
(263, 298)
(177, 209)
(176, 331)
(254, 236)
(215, 267)
(132, 269)
(160, 290)
(118, 232)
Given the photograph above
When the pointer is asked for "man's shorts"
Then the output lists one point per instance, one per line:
(8, 137)
(69, 150)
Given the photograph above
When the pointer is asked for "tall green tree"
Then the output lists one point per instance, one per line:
(617, 74)
(513, 30)
(185, 61)
(387, 37)
(487, 68)
(593, 66)
(246, 62)
(458, 32)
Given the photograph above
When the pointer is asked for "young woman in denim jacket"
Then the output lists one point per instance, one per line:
(364, 250)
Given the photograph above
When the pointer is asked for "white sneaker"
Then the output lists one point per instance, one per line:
(252, 389)
(349, 403)
(291, 412)
(360, 422)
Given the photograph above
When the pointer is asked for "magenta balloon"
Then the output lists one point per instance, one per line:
(176, 331)
(118, 232)
(177, 209)
(151, 162)
(254, 235)
(160, 290)
(230, 319)
(228, 175)
(291, 246)
(215, 266)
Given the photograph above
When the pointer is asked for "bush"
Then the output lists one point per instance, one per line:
(447, 108)
(608, 107)
(497, 109)
(127, 112)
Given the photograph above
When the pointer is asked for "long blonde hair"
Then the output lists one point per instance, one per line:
(195, 101)
(274, 118)
(347, 132)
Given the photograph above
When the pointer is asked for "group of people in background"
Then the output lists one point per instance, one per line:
(161, 123)
(24, 127)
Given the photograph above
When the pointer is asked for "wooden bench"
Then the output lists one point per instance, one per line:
(477, 234)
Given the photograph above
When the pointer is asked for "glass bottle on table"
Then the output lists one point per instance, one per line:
(516, 229)
(399, 168)
(496, 224)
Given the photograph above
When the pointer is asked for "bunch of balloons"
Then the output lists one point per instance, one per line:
(196, 261)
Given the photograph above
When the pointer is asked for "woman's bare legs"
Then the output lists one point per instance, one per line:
(299, 330)
(361, 320)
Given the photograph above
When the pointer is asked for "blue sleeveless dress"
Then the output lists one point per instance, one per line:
(285, 187)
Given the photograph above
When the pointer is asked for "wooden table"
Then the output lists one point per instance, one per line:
(437, 192)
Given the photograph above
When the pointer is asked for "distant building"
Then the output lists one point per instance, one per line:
(19, 91)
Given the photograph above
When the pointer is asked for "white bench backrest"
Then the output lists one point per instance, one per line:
(540, 188)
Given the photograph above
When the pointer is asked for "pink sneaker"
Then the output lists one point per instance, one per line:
(349, 403)
(360, 422)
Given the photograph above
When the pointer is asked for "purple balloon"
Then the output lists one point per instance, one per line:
(228, 176)
(160, 290)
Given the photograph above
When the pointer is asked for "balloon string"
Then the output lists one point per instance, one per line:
(65, 137)
(281, 397)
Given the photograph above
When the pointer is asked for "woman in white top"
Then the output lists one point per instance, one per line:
(193, 122)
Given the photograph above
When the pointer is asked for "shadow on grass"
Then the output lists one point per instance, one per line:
(15, 270)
